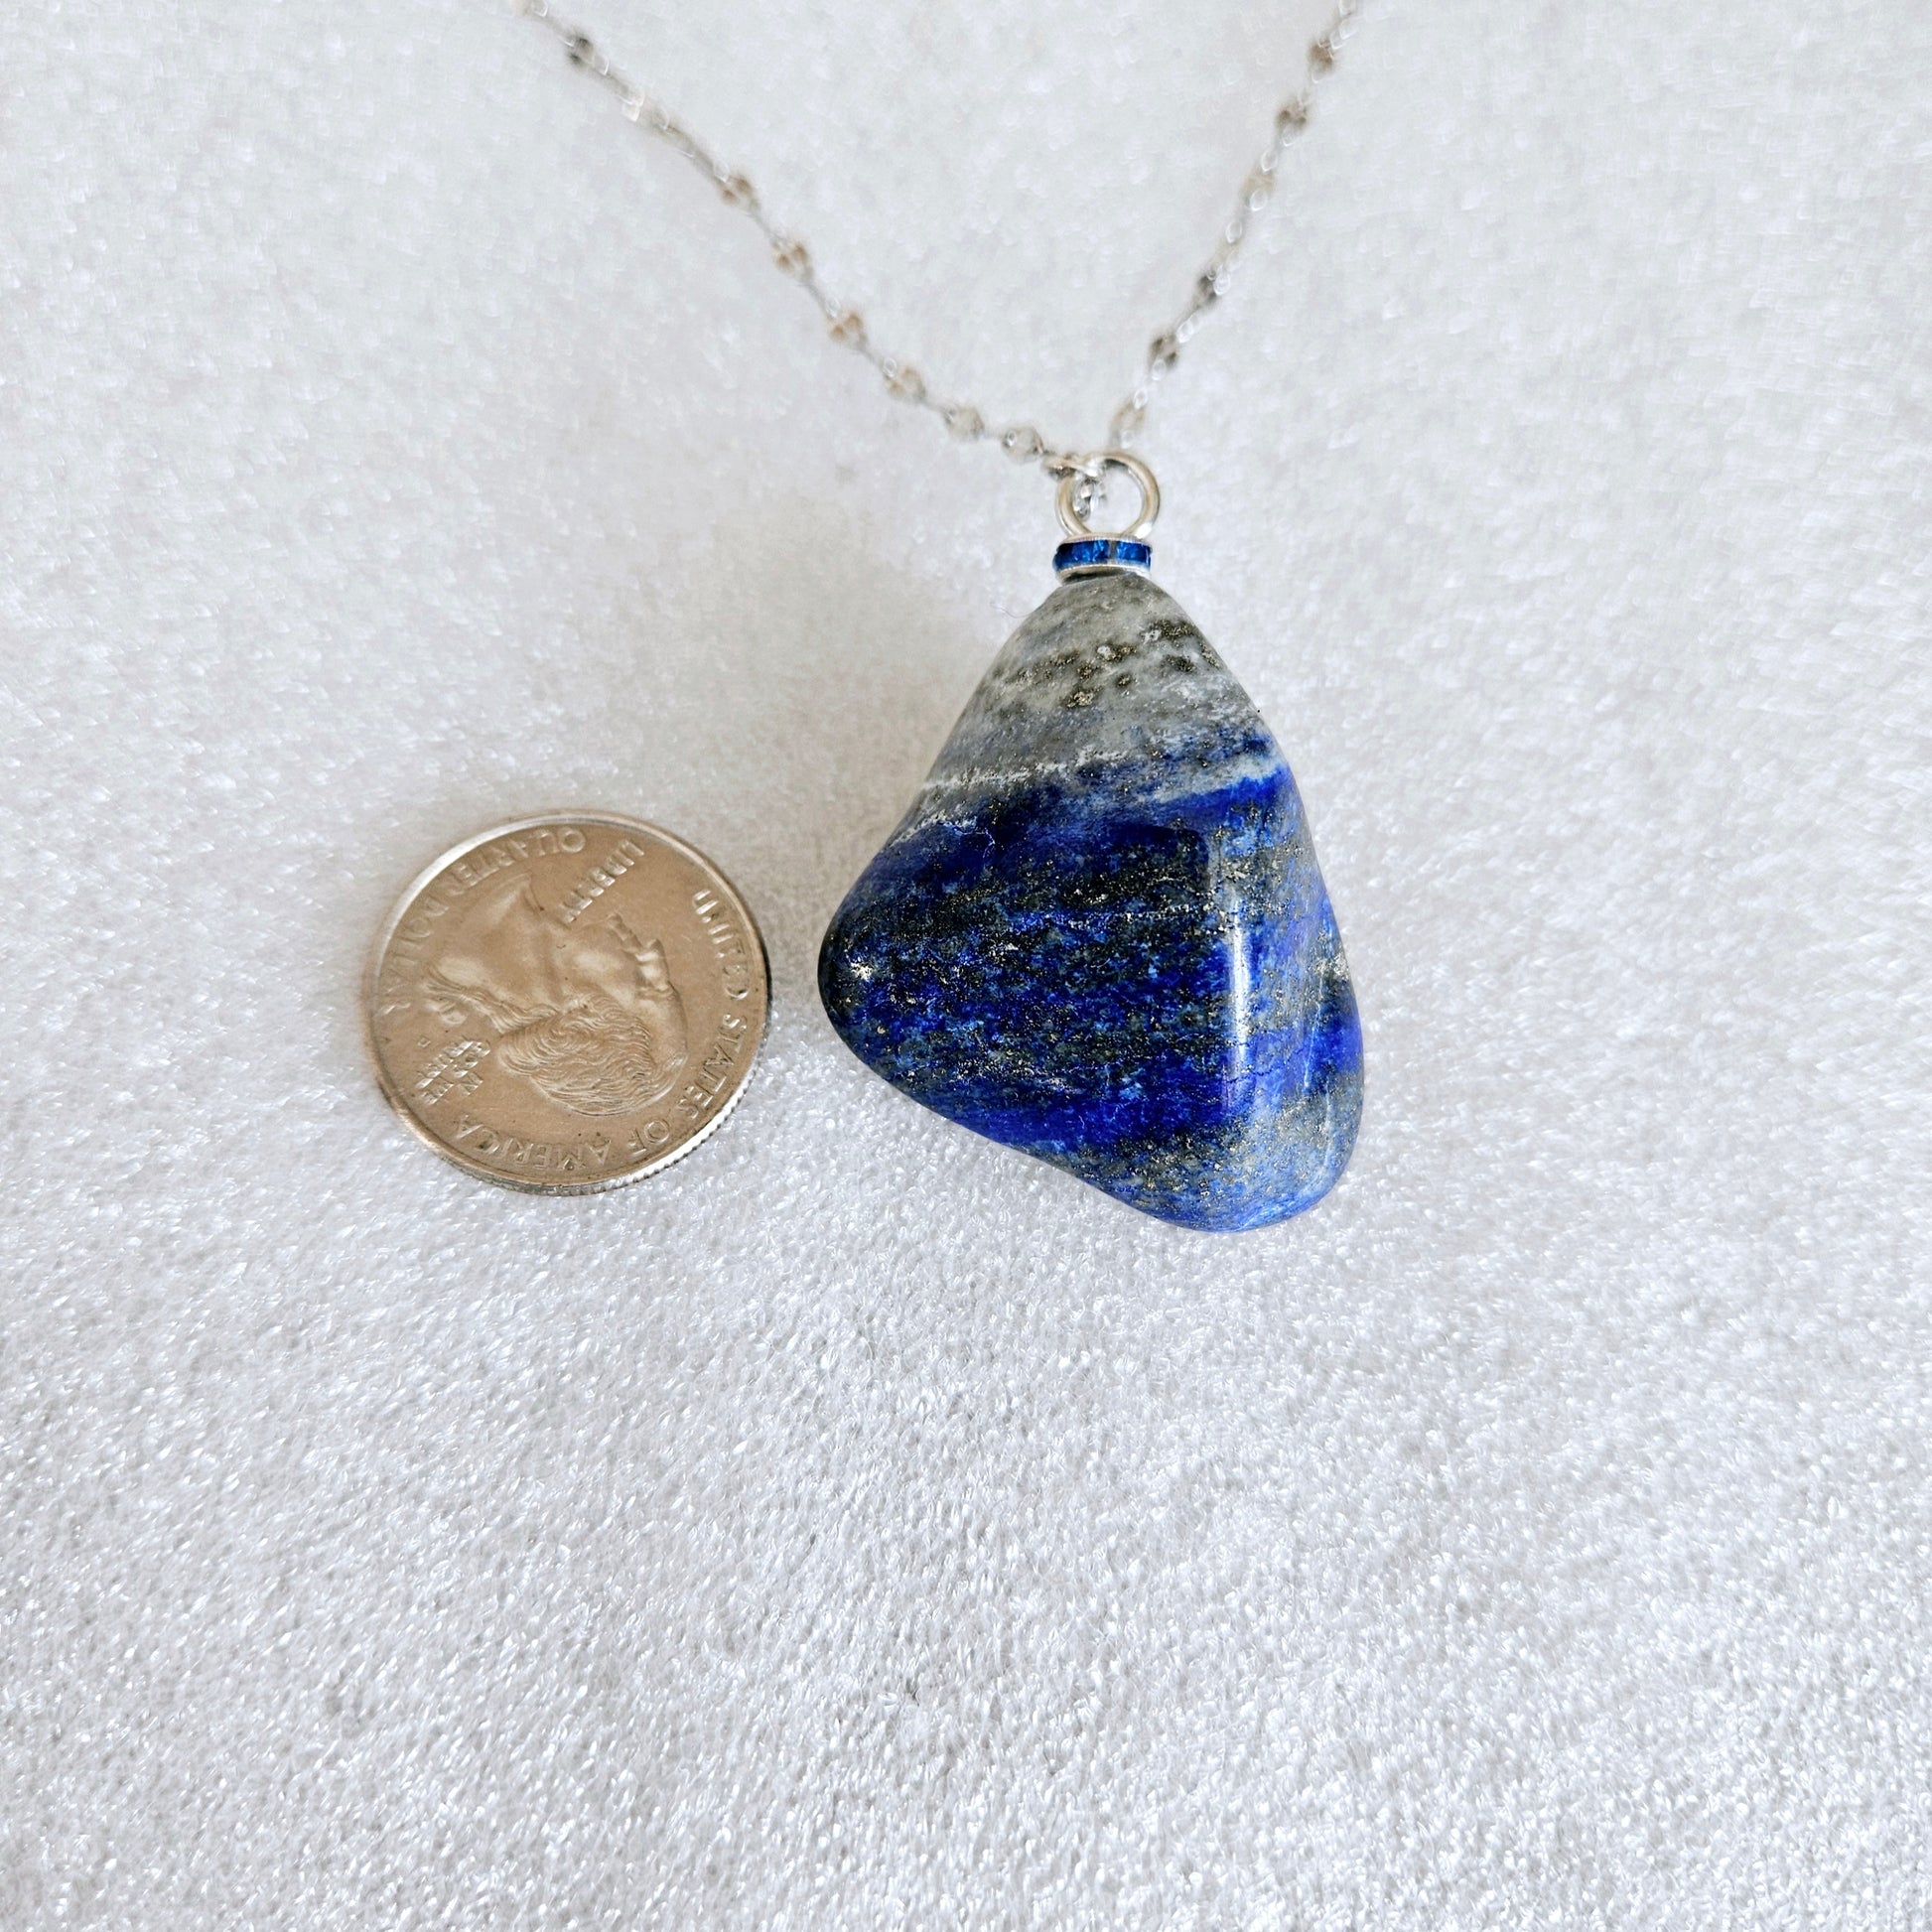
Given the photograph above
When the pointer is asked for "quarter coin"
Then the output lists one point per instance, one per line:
(567, 1003)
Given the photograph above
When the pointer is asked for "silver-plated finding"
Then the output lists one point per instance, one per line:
(1022, 442)
(1073, 504)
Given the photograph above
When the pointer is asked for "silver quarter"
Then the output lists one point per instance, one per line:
(567, 1003)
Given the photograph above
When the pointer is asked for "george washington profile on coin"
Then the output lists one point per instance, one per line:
(587, 1014)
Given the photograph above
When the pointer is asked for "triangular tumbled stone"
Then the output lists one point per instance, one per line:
(1100, 936)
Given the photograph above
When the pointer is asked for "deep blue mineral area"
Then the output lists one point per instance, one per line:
(1100, 936)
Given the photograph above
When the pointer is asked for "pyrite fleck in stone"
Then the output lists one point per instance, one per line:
(1100, 936)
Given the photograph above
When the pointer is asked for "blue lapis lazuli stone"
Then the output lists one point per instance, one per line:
(1100, 936)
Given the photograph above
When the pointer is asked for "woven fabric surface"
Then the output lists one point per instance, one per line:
(858, 1525)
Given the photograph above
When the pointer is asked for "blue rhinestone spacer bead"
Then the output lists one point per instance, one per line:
(1103, 553)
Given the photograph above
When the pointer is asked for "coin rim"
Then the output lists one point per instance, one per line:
(372, 973)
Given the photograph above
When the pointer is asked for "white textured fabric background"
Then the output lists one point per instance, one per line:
(861, 1526)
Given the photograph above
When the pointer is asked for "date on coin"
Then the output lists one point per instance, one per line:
(567, 1003)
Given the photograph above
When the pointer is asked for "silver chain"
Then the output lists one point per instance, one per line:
(1020, 441)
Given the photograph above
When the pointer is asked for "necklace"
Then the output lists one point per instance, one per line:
(1099, 935)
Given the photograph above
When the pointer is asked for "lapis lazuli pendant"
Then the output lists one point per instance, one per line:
(1100, 936)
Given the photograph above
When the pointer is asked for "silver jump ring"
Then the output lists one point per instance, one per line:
(1072, 516)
